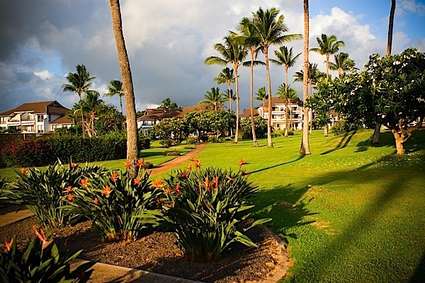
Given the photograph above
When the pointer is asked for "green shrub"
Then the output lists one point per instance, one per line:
(191, 140)
(215, 139)
(47, 192)
(260, 127)
(208, 211)
(172, 153)
(170, 131)
(40, 261)
(120, 206)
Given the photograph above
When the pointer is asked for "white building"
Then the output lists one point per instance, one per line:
(36, 117)
(279, 114)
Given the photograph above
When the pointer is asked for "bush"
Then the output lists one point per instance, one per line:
(40, 261)
(170, 131)
(208, 211)
(120, 206)
(191, 140)
(260, 127)
(215, 139)
(46, 193)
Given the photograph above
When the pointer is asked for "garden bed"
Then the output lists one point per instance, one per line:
(158, 252)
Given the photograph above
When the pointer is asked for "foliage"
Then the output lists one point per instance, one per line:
(115, 88)
(120, 205)
(215, 98)
(46, 192)
(260, 127)
(169, 105)
(171, 131)
(206, 123)
(209, 209)
(40, 261)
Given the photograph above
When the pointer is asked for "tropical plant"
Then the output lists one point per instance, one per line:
(314, 76)
(168, 105)
(91, 105)
(270, 28)
(343, 63)
(226, 77)
(233, 53)
(285, 58)
(40, 261)
(46, 193)
(215, 98)
(130, 104)
(79, 83)
(206, 123)
(289, 95)
(171, 131)
(261, 94)
(328, 45)
(115, 88)
(121, 205)
(260, 127)
(208, 210)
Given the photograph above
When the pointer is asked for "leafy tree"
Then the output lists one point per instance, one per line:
(233, 53)
(203, 123)
(286, 58)
(169, 105)
(343, 63)
(79, 83)
(260, 127)
(271, 30)
(328, 45)
(215, 98)
(171, 131)
(288, 94)
(115, 88)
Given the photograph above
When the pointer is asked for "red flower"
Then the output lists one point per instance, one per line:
(128, 164)
(106, 191)
(177, 188)
(70, 197)
(84, 182)
(136, 181)
(140, 163)
(197, 163)
(114, 176)
(68, 190)
(207, 183)
(184, 174)
(215, 182)
(41, 236)
(7, 246)
(24, 170)
(158, 183)
(96, 201)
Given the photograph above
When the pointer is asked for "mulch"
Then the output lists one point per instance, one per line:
(158, 252)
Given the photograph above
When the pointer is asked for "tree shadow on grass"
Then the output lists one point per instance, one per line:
(419, 274)
(276, 165)
(145, 154)
(345, 140)
(415, 143)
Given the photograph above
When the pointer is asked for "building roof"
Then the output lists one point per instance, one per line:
(158, 114)
(247, 112)
(278, 100)
(193, 108)
(63, 120)
(49, 107)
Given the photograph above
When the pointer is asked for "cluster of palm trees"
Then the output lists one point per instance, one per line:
(80, 83)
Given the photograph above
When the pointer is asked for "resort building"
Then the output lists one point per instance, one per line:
(279, 114)
(36, 117)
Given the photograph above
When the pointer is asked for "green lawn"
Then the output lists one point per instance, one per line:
(350, 212)
(155, 155)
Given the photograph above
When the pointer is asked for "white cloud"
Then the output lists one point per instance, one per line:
(43, 75)
(412, 6)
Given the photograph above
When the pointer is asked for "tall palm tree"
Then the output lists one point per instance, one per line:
(226, 77)
(214, 97)
(343, 63)
(328, 45)
(250, 39)
(115, 88)
(79, 83)
(305, 141)
(314, 75)
(233, 53)
(286, 58)
(261, 94)
(288, 94)
(130, 105)
(271, 30)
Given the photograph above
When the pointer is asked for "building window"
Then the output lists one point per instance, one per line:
(40, 118)
(39, 128)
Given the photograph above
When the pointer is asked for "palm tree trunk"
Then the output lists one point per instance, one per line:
(235, 70)
(287, 123)
(251, 98)
(121, 104)
(82, 116)
(269, 93)
(130, 107)
(327, 65)
(305, 142)
(390, 27)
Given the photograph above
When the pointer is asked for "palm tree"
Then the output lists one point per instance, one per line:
(314, 76)
(251, 41)
(288, 94)
(169, 105)
(130, 105)
(328, 45)
(226, 77)
(115, 88)
(214, 97)
(270, 28)
(79, 83)
(233, 53)
(343, 63)
(305, 141)
(90, 105)
(286, 58)
(261, 94)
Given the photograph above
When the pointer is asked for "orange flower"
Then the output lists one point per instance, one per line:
(128, 164)
(158, 183)
(41, 236)
(7, 246)
(177, 188)
(140, 163)
(114, 176)
(68, 190)
(189, 167)
(207, 183)
(106, 191)
(184, 174)
(215, 182)
(242, 163)
(96, 201)
(73, 165)
(70, 197)
(24, 170)
(84, 182)
(136, 181)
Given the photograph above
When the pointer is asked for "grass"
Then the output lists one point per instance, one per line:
(351, 212)
(155, 155)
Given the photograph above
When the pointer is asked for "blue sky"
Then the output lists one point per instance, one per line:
(168, 40)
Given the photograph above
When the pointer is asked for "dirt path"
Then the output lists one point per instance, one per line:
(178, 160)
